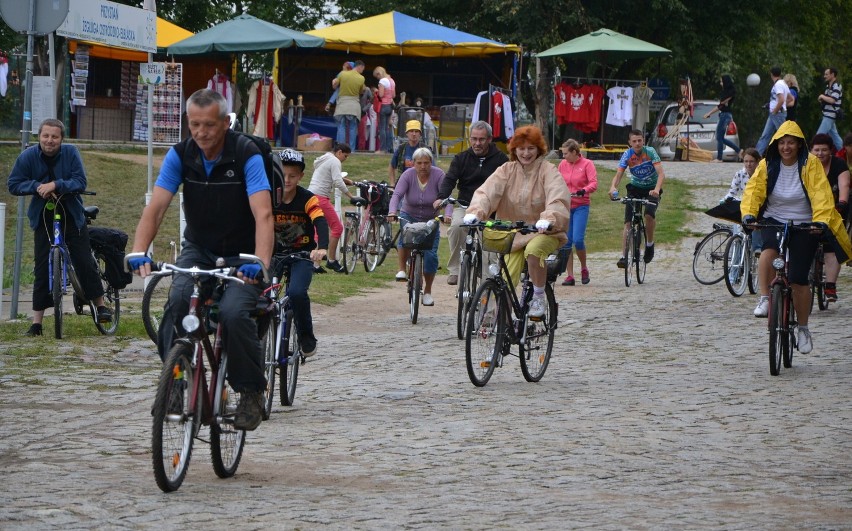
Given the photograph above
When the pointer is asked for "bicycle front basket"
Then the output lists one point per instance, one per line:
(418, 236)
(497, 241)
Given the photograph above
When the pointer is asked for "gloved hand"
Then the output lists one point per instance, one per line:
(137, 262)
(580, 193)
(469, 219)
(747, 222)
(542, 224)
(251, 271)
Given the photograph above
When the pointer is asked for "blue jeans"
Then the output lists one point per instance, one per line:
(829, 126)
(301, 274)
(773, 122)
(577, 228)
(430, 257)
(347, 128)
(385, 131)
(725, 118)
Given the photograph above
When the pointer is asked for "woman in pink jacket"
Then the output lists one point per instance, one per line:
(582, 179)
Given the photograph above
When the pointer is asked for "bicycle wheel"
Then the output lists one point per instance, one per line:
(535, 350)
(813, 282)
(385, 236)
(154, 300)
(463, 294)
(415, 283)
(736, 265)
(708, 262)
(628, 256)
(778, 335)
(290, 354)
(819, 278)
(112, 300)
(639, 253)
(752, 273)
(371, 252)
(349, 250)
(485, 333)
(790, 343)
(57, 267)
(270, 363)
(175, 424)
(226, 442)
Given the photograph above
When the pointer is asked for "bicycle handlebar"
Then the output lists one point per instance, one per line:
(625, 200)
(225, 273)
(520, 226)
(453, 201)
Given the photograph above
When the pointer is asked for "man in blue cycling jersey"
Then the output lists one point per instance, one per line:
(228, 210)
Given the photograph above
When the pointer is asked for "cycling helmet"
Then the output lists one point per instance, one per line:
(291, 157)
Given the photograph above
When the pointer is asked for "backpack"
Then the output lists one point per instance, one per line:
(110, 244)
(271, 163)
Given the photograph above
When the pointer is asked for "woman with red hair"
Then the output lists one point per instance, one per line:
(528, 189)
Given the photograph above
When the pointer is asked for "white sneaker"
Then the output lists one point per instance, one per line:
(401, 276)
(803, 340)
(428, 300)
(762, 309)
(537, 305)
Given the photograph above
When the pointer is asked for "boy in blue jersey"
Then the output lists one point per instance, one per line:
(646, 182)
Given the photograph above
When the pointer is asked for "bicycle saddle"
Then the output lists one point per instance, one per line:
(91, 212)
(358, 201)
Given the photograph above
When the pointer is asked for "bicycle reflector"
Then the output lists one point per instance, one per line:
(190, 323)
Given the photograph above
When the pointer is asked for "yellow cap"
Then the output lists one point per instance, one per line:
(412, 125)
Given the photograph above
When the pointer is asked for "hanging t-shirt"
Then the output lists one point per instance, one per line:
(641, 106)
(507, 121)
(620, 112)
(561, 107)
(220, 83)
(591, 108)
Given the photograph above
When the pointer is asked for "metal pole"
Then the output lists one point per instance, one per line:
(26, 131)
(2, 250)
(150, 132)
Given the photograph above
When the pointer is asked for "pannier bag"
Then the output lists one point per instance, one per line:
(110, 243)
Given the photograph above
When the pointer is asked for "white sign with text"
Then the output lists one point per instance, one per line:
(112, 24)
(152, 73)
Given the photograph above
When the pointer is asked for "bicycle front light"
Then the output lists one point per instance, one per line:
(190, 323)
(468, 239)
(778, 263)
(494, 269)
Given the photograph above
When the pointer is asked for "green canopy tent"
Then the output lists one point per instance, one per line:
(244, 33)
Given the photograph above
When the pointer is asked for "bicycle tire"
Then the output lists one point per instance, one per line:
(226, 442)
(174, 424)
(289, 364)
(708, 258)
(270, 361)
(753, 276)
(539, 335)
(79, 304)
(822, 300)
(776, 323)
(485, 333)
(628, 257)
(639, 252)
(736, 265)
(813, 282)
(58, 266)
(349, 250)
(790, 343)
(154, 300)
(112, 300)
(385, 237)
(373, 244)
(463, 294)
(415, 283)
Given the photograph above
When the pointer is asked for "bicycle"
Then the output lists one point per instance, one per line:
(816, 277)
(739, 265)
(498, 318)
(365, 234)
(62, 273)
(470, 270)
(419, 237)
(282, 352)
(782, 322)
(634, 244)
(185, 399)
(708, 261)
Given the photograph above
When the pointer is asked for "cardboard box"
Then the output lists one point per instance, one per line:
(313, 142)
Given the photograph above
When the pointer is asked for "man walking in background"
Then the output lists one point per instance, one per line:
(347, 113)
(777, 109)
(830, 101)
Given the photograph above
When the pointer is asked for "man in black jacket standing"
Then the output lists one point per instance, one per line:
(468, 171)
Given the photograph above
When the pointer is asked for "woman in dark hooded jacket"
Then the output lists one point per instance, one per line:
(726, 99)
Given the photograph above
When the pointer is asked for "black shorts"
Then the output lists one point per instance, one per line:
(802, 247)
(641, 193)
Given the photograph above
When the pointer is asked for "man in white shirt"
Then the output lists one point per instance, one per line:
(777, 109)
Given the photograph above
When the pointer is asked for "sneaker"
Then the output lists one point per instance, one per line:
(250, 411)
(319, 270)
(35, 330)
(804, 341)
(401, 276)
(584, 276)
(649, 253)
(536, 306)
(830, 294)
(762, 309)
(569, 281)
(452, 280)
(104, 315)
(622, 263)
(309, 350)
(428, 300)
(334, 265)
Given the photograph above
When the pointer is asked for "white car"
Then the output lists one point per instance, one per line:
(698, 128)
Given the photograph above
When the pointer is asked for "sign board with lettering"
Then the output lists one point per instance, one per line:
(44, 101)
(112, 24)
(152, 73)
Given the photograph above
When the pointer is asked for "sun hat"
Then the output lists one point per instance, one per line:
(412, 125)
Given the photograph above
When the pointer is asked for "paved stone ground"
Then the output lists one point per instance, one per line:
(658, 411)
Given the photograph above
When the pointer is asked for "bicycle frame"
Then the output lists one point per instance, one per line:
(67, 267)
(515, 306)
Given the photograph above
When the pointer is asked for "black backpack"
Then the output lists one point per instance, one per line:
(110, 243)
(271, 163)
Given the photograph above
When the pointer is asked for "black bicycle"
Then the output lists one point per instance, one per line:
(634, 243)
(498, 318)
(470, 270)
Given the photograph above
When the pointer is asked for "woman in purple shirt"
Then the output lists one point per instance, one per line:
(418, 186)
